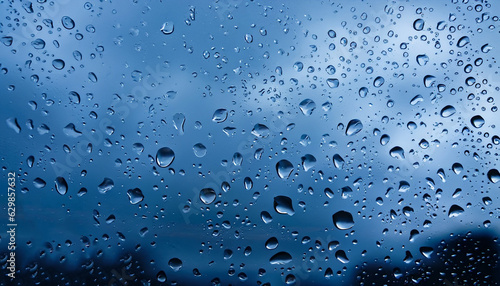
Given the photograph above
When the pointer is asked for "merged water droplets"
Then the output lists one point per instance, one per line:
(135, 196)
(283, 205)
(307, 106)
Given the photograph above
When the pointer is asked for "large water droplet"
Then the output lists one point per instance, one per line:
(38, 44)
(266, 217)
(248, 38)
(179, 120)
(477, 121)
(494, 176)
(429, 80)
(260, 130)
(281, 258)
(220, 115)
(135, 196)
(67, 22)
(283, 205)
(343, 220)
(307, 106)
(164, 157)
(338, 162)
(61, 185)
(422, 60)
(455, 210)
(418, 25)
(207, 195)
(58, 64)
(463, 41)
(448, 111)
(199, 150)
(426, 251)
(284, 168)
(353, 127)
(175, 264)
(378, 81)
(167, 28)
(161, 276)
(341, 256)
(308, 161)
(272, 243)
(106, 185)
(397, 152)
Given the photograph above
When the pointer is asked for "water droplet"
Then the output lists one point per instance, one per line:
(397, 152)
(272, 243)
(7, 40)
(220, 115)
(67, 22)
(418, 25)
(338, 162)
(353, 127)
(70, 131)
(378, 82)
(61, 186)
(494, 176)
(179, 120)
(341, 256)
(164, 157)
(266, 217)
(175, 264)
(457, 168)
(448, 111)
(135, 196)
(38, 44)
(429, 80)
(207, 195)
(332, 34)
(199, 150)
(161, 276)
(343, 220)
(308, 161)
(333, 82)
(248, 183)
(260, 130)
(455, 210)
(284, 168)
(404, 186)
(281, 258)
(283, 205)
(384, 140)
(426, 251)
(363, 92)
(422, 60)
(167, 28)
(463, 41)
(58, 64)
(138, 148)
(106, 185)
(307, 106)
(248, 38)
(13, 124)
(477, 121)
(92, 77)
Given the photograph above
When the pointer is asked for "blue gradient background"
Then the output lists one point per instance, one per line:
(242, 77)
